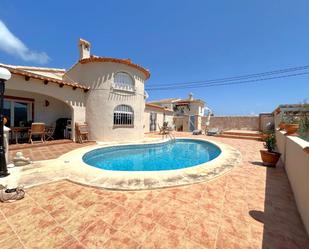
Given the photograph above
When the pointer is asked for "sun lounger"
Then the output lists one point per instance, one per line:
(213, 132)
(197, 132)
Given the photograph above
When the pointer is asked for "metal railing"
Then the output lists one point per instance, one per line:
(169, 135)
(124, 87)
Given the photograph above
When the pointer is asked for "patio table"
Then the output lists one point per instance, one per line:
(18, 130)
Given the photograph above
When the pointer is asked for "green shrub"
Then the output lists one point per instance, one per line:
(270, 142)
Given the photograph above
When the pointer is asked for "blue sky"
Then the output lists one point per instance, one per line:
(179, 41)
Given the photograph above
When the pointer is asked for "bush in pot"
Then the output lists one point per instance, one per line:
(304, 119)
(270, 157)
(291, 125)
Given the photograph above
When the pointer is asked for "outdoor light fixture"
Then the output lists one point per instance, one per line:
(4, 76)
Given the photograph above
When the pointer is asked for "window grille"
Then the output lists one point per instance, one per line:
(123, 115)
(123, 79)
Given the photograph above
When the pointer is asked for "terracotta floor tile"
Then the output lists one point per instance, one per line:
(96, 234)
(250, 207)
(235, 228)
(11, 243)
(14, 208)
(176, 222)
(119, 217)
(120, 240)
(29, 224)
(80, 222)
(5, 230)
(202, 232)
(139, 227)
(227, 242)
(162, 238)
(55, 238)
(72, 244)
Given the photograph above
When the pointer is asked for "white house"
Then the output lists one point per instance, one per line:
(188, 112)
(106, 93)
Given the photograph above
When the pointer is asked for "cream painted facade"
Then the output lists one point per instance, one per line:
(87, 92)
(103, 97)
(106, 93)
(188, 112)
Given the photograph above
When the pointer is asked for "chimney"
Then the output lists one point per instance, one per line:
(190, 96)
(84, 49)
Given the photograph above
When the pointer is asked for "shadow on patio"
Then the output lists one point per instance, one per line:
(282, 227)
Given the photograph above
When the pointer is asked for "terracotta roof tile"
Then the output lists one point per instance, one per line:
(158, 107)
(128, 62)
(20, 72)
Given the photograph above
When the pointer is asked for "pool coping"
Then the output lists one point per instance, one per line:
(70, 166)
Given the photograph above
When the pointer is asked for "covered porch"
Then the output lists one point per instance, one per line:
(22, 108)
(35, 95)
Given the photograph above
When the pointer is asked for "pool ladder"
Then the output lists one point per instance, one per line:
(171, 137)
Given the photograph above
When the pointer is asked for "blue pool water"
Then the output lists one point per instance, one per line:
(170, 155)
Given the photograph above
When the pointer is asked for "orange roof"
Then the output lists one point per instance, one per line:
(128, 62)
(158, 107)
(20, 72)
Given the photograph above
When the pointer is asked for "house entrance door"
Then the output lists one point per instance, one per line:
(192, 123)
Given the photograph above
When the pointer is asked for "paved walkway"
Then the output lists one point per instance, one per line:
(250, 207)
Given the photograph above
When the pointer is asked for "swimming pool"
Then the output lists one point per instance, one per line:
(178, 154)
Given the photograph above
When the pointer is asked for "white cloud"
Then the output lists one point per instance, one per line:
(10, 44)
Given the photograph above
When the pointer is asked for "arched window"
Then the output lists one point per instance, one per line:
(122, 78)
(123, 115)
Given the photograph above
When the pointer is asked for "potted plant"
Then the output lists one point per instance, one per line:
(304, 119)
(269, 156)
(291, 125)
(281, 125)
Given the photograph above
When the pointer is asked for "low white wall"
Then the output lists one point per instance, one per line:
(296, 162)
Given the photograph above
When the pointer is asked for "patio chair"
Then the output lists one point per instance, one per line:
(81, 132)
(37, 129)
(164, 129)
(49, 132)
(161, 129)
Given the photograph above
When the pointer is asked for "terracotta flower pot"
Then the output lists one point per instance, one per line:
(291, 129)
(270, 158)
(281, 126)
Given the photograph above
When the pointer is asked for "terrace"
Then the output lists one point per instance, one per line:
(252, 206)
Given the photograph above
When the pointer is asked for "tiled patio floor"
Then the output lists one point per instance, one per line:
(50, 150)
(250, 207)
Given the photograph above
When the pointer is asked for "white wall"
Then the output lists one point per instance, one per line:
(296, 162)
(160, 118)
(101, 100)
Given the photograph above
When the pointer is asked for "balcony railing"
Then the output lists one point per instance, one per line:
(123, 87)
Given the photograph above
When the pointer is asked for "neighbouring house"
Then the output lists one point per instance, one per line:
(188, 113)
(106, 93)
(155, 116)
